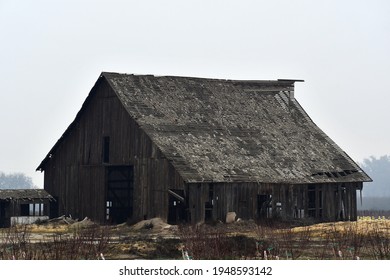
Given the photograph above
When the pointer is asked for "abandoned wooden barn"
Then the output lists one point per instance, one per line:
(23, 206)
(193, 149)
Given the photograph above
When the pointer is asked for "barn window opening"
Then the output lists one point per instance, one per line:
(106, 149)
(108, 209)
(278, 208)
(36, 209)
(32, 209)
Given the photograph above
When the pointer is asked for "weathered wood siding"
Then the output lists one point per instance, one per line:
(76, 174)
(331, 202)
(227, 197)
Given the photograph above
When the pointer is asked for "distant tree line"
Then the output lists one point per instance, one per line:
(15, 181)
(379, 171)
(376, 194)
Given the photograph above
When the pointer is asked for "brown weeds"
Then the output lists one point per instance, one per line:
(85, 243)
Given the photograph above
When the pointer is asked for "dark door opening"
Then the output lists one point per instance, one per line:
(2, 214)
(311, 205)
(24, 209)
(342, 203)
(314, 196)
(209, 205)
(119, 198)
(264, 208)
(177, 212)
(53, 208)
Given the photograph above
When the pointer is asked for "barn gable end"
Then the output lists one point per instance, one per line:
(76, 172)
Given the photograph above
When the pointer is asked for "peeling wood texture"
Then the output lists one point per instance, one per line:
(219, 145)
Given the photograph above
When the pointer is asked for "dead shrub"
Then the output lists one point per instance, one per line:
(378, 246)
(213, 242)
(85, 243)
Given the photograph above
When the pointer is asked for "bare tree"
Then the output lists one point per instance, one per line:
(15, 181)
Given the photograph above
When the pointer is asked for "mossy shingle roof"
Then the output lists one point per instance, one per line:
(232, 131)
(24, 194)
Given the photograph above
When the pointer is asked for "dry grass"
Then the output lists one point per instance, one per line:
(153, 239)
(23, 242)
(364, 226)
(47, 229)
(364, 239)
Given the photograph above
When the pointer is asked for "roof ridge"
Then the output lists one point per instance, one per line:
(279, 81)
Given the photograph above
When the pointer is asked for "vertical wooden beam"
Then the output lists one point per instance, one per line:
(354, 204)
(306, 200)
(275, 197)
(317, 215)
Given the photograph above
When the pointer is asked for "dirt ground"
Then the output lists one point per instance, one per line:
(154, 239)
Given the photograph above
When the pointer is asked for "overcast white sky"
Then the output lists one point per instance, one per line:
(52, 52)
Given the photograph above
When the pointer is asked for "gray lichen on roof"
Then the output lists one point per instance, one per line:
(227, 131)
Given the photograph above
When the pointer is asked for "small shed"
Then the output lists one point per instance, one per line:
(23, 206)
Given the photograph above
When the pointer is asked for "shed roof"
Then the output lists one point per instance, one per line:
(232, 131)
(24, 194)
